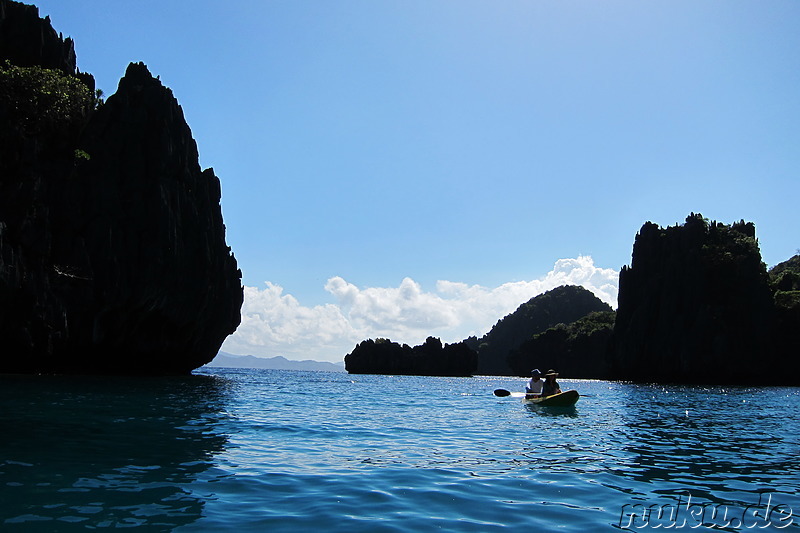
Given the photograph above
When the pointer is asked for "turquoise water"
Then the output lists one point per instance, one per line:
(261, 450)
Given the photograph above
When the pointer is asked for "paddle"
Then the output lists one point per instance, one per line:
(503, 393)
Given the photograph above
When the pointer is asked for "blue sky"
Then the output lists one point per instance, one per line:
(369, 150)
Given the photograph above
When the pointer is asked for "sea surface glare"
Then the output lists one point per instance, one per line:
(265, 450)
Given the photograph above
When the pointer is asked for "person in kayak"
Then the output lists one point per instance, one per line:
(551, 386)
(534, 387)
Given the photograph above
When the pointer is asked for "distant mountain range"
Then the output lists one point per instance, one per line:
(228, 360)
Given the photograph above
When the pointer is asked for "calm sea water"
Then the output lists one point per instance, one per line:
(261, 450)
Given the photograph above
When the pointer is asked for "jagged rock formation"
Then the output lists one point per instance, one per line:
(561, 305)
(695, 306)
(577, 350)
(429, 359)
(27, 40)
(112, 247)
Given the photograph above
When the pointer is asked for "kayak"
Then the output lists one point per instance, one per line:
(562, 399)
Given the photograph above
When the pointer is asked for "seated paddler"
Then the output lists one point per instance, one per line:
(534, 387)
(551, 386)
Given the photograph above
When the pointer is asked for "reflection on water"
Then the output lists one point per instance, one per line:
(106, 451)
(569, 411)
(722, 446)
(647, 449)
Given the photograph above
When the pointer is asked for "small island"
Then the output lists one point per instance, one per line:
(383, 356)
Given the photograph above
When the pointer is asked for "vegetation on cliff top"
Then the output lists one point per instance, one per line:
(37, 99)
(784, 280)
(586, 326)
(577, 349)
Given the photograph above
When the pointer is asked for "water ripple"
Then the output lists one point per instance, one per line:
(266, 450)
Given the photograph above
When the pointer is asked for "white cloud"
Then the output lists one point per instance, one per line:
(277, 324)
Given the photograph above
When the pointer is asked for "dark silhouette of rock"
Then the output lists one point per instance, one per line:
(695, 306)
(113, 261)
(27, 40)
(577, 350)
(429, 359)
(561, 305)
(785, 283)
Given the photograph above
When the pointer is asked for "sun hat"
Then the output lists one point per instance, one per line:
(551, 372)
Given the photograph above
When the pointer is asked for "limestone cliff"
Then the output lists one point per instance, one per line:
(695, 306)
(112, 246)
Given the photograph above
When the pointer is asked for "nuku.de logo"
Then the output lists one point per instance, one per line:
(683, 513)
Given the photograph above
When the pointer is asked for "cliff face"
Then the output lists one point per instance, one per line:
(429, 359)
(112, 247)
(694, 306)
(561, 305)
(145, 223)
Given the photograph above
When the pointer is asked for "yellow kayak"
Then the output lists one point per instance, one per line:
(562, 399)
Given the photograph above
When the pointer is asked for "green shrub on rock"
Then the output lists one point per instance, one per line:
(35, 99)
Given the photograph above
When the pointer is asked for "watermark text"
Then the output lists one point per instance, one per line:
(683, 511)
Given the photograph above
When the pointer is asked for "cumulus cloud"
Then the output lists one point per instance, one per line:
(274, 323)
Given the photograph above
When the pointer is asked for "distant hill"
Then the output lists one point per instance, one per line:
(576, 350)
(273, 363)
(562, 305)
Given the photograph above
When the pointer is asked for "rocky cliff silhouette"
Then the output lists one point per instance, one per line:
(429, 359)
(27, 40)
(112, 245)
(695, 306)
